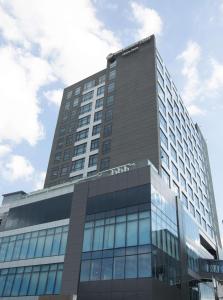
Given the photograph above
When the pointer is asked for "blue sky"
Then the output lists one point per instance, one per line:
(45, 48)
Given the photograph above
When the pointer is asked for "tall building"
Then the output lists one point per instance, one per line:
(128, 208)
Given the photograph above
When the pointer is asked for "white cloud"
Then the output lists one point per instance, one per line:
(4, 150)
(215, 82)
(43, 44)
(191, 57)
(38, 180)
(194, 110)
(148, 19)
(18, 167)
(199, 90)
(54, 96)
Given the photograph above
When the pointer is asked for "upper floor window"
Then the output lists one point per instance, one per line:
(96, 129)
(83, 134)
(101, 90)
(111, 87)
(113, 64)
(87, 96)
(95, 144)
(112, 74)
(101, 79)
(93, 160)
(98, 115)
(106, 146)
(107, 130)
(99, 102)
(85, 108)
(78, 164)
(88, 85)
(77, 91)
(105, 163)
(84, 121)
(80, 149)
(69, 94)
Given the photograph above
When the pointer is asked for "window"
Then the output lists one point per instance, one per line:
(173, 153)
(88, 85)
(64, 170)
(192, 210)
(184, 200)
(83, 134)
(162, 107)
(166, 177)
(181, 165)
(172, 136)
(101, 90)
(164, 158)
(108, 115)
(69, 94)
(93, 160)
(96, 129)
(163, 122)
(95, 144)
(80, 149)
(170, 107)
(160, 78)
(54, 172)
(164, 139)
(98, 116)
(106, 146)
(109, 100)
(78, 164)
(86, 108)
(31, 280)
(168, 81)
(183, 182)
(175, 171)
(107, 130)
(105, 162)
(161, 93)
(99, 102)
(180, 149)
(69, 140)
(60, 143)
(198, 217)
(67, 154)
(77, 91)
(58, 157)
(111, 87)
(88, 96)
(112, 74)
(76, 101)
(101, 79)
(83, 121)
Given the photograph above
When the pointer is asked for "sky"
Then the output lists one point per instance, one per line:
(46, 45)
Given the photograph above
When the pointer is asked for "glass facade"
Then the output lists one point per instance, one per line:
(117, 247)
(31, 280)
(183, 144)
(42, 243)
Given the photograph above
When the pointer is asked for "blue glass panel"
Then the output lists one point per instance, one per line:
(109, 237)
(85, 270)
(50, 282)
(48, 245)
(3, 251)
(95, 269)
(120, 231)
(24, 249)
(8, 256)
(144, 265)
(8, 285)
(56, 244)
(32, 247)
(17, 250)
(98, 238)
(106, 270)
(131, 266)
(2, 284)
(33, 283)
(58, 282)
(63, 243)
(119, 267)
(40, 246)
(144, 231)
(132, 230)
(16, 285)
(88, 236)
(42, 283)
(25, 284)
